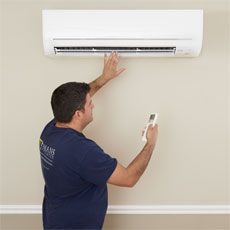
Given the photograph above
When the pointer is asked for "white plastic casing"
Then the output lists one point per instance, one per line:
(179, 29)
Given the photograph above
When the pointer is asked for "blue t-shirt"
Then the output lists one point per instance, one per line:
(75, 170)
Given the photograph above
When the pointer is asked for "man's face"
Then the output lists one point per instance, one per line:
(88, 113)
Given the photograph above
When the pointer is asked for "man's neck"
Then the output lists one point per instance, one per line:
(69, 125)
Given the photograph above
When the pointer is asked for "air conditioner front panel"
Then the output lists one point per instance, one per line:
(122, 28)
(122, 23)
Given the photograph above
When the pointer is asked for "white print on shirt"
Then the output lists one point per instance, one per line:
(47, 154)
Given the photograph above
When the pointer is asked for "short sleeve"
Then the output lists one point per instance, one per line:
(97, 166)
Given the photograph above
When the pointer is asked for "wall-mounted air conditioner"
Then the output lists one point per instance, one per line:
(154, 33)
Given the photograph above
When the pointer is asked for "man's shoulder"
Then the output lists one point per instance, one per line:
(88, 143)
(47, 126)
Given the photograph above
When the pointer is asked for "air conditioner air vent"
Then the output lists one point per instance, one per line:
(59, 50)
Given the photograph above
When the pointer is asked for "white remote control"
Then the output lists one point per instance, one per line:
(152, 121)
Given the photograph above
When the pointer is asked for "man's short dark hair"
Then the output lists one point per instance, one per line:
(68, 98)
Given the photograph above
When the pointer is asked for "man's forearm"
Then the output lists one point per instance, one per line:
(137, 167)
(96, 85)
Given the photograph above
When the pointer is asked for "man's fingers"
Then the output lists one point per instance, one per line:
(112, 59)
(105, 58)
(112, 62)
(115, 59)
(111, 56)
(116, 56)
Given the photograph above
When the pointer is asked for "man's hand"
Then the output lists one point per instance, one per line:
(110, 71)
(152, 134)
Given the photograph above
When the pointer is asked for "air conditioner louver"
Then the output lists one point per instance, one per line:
(59, 50)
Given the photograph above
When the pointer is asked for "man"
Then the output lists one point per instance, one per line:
(75, 169)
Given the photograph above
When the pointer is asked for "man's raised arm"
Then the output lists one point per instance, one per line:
(110, 71)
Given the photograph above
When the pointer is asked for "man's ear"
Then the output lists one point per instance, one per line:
(77, 114)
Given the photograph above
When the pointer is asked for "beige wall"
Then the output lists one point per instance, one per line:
(190, 164)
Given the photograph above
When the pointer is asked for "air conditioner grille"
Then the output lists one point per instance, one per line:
(118, 49)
